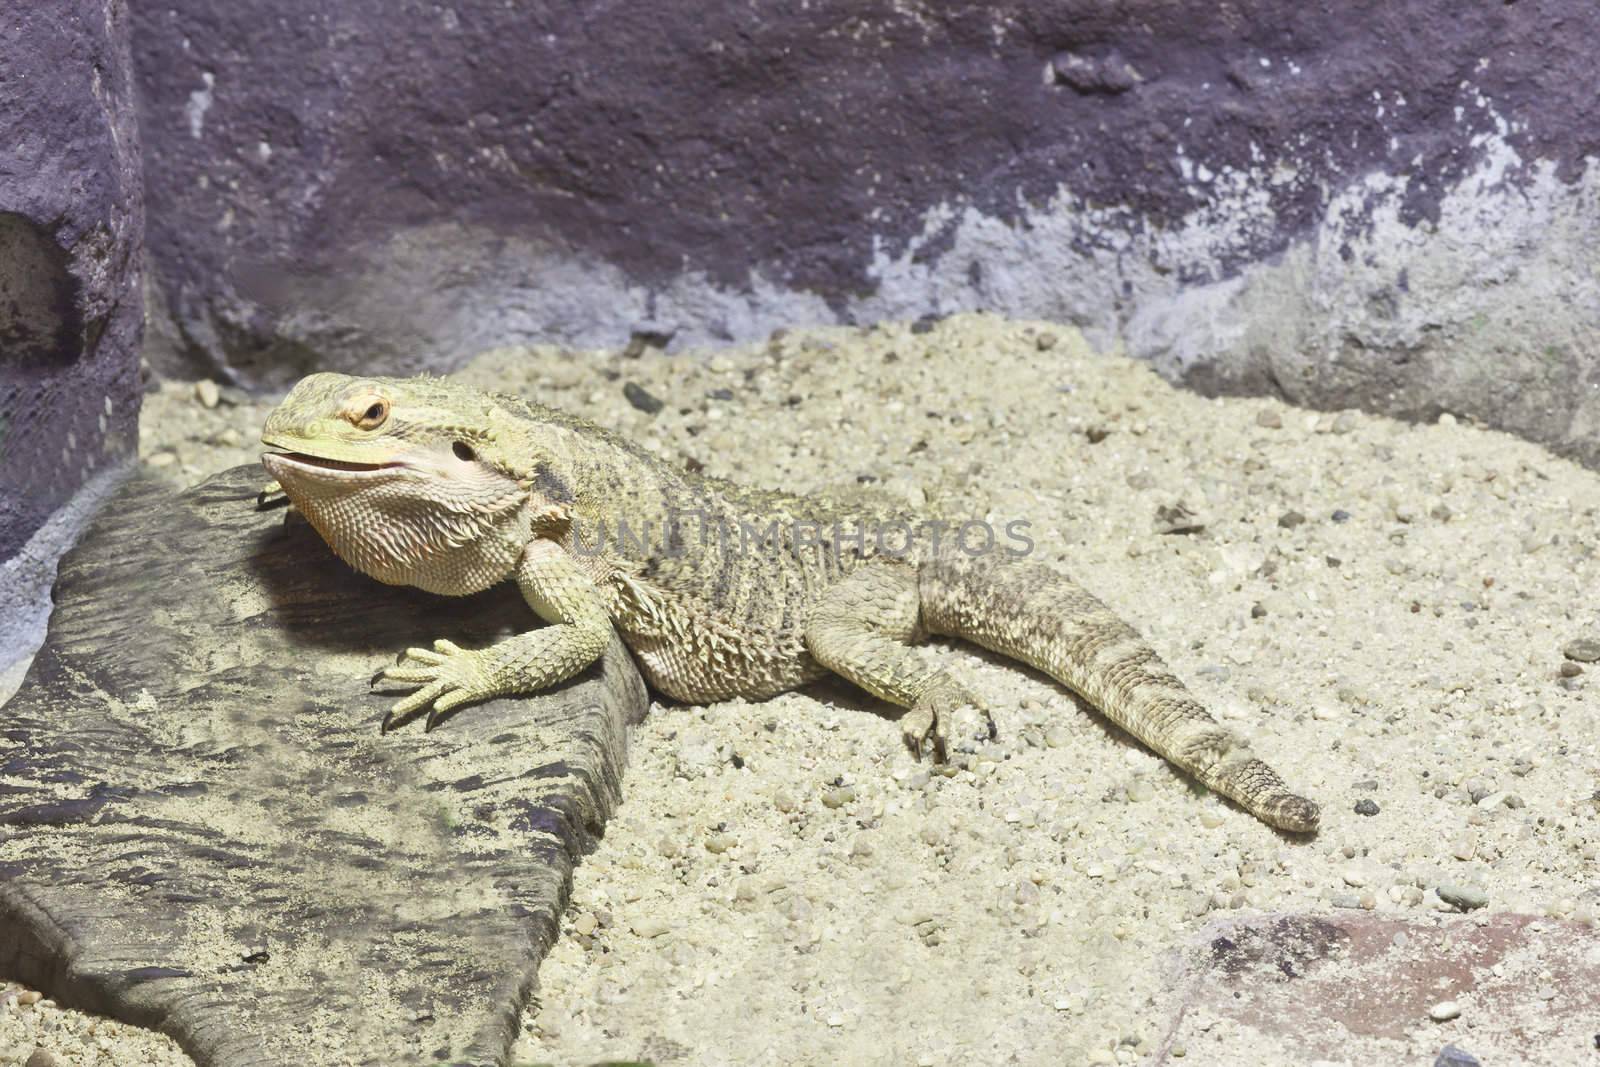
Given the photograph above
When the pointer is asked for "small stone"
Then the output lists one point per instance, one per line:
(1464, 897)
(650, 927)
(838, 798)
(206, 391)
(720, 843)
(40, 1058)
(1045, 341)
(1570, 670)
(1447, 419)
(1444, 1011)
(1583, 650)
(585, 924)
(1268, 419)
(783, 800)
(1096, 434)
(1345, 422)
(29, 997)
(1354, 877)
(641, 398)
(1340, 515)
(1367, 806)
(1141, 480)
(1441, 512)
(1057, 736)
(1257, 611)
(1290, 519)
(1178, 518)
(1450, 1056)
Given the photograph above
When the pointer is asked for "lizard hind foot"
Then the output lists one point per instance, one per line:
(929, 719)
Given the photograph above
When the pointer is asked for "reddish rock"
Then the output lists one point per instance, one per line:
(1357, 987)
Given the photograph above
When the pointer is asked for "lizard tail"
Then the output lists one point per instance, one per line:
(1035, 615)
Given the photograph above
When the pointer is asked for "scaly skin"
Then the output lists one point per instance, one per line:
(429, 483)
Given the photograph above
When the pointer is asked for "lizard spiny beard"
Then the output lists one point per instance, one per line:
(393, 532)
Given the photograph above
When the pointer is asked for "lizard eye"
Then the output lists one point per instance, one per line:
(371, 415)
(463, 452)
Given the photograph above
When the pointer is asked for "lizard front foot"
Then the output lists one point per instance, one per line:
(448, 675)
(930, 715)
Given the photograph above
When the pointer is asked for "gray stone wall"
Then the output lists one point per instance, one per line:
(1377, 204)
(71, 231)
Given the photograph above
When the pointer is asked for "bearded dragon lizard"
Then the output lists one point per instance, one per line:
(430, 483)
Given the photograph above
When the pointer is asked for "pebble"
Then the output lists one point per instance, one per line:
(1570, 670)
(1178, 518)
(1444, 1011)
(29, 997)
(1367, 806)
(720, 843)
(1345, 422)
(585, 924)
(641, 398)
(206, 391)
(1340, 515)
(1450, 1056)
(1290, 519)
(1465, 897)
(1269, 419)
(41, 1058)
(1045, 341)
(651, 927)
(1583, 650)
(1057, 736)
(838, 798)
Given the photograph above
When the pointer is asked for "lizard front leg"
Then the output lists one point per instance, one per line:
(864, 629)
(561, 594)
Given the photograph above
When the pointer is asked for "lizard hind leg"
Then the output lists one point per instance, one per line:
(1040, 617)
(865, 630)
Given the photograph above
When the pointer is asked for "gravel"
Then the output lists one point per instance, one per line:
(794, 924)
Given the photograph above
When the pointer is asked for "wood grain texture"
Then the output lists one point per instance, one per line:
(202, 829)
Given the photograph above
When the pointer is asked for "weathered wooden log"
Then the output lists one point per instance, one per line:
(203, 830)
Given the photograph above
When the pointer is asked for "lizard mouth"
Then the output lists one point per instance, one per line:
(304, 459)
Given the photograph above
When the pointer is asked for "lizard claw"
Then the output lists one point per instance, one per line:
(928, 720)
(271, 496)
(443, 678)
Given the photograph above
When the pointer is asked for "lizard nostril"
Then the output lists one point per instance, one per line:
(463, 452)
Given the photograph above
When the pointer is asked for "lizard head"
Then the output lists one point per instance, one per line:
(405, 478)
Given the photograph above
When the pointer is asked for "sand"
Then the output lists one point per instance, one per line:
(1382, 607)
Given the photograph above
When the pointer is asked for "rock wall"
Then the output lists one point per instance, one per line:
(71, 238)
(1384, 204)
